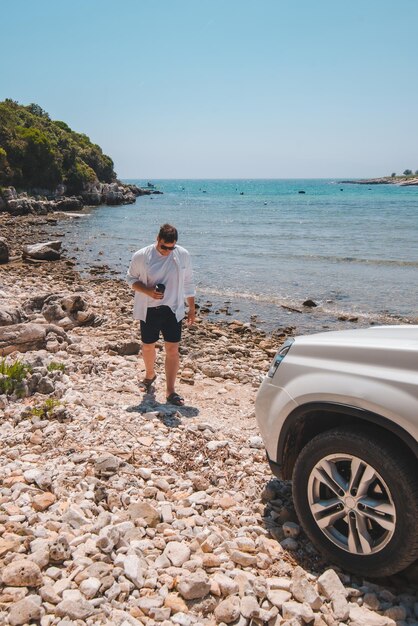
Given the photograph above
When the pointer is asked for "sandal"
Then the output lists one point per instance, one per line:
(146, 384)
(175, 399)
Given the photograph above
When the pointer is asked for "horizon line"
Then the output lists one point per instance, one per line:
(250, 178)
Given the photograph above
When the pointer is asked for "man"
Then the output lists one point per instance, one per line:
(161, 276)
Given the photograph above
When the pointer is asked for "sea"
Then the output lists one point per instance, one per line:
(262, 248)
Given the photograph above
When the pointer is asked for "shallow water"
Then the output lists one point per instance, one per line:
(262, 244)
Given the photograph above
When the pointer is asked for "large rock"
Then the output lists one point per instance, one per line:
(9, 194)
(24, 337)
(48, 251)
(25, 611)
(145, 511)
(19, 206)
(22, 573)
(71, 203)
(228, 610)
(10, 316)
(4, 250)
(67, 311)
(194, 586)
(74, 610)
(177, 552)
(303, 591)
(134, 569)
(330, 585)
(361, 616)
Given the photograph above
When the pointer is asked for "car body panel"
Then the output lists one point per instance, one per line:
(374, 369)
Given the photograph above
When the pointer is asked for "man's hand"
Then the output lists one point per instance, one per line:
(148, 291)
(156, 295)
(191, 314)
(191, 317)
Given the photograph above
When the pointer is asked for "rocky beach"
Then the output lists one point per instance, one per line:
(117, 508)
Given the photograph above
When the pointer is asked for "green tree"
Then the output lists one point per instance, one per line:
(37, 110)
(79, 177)
(39, 166)
(407, 173)
(5, 171)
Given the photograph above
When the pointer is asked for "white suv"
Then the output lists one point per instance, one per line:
(338, 413)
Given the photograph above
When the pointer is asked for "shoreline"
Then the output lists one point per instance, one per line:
(127, 510)
(400, 181)
(315, 316)
(44, 202)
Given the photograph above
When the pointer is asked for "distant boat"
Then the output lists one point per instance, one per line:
(150, 185)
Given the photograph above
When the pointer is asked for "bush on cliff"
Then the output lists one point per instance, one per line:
(37, 152)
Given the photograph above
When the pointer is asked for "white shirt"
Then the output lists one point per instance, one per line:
(178, 281)
(163, 269)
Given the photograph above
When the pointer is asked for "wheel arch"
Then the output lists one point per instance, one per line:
(308, 420)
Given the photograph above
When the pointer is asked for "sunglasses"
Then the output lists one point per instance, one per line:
(163, 247)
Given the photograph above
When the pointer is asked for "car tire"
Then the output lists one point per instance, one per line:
(356, 496)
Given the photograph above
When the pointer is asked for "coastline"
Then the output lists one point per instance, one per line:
(112, 489)
(44, 202)
(401, 181)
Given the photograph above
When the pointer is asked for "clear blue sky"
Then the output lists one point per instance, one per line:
(223, 88)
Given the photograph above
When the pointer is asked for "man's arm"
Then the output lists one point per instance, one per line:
(191, 314)
(148, 291)
(136, 269)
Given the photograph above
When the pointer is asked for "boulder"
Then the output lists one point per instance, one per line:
(92, 198)
(4, 251)
(66, 311)
(72, 203)
(19, 206)
(10, 315)
(9, 194)
(24, 337)
(73, 303)
(48, 251)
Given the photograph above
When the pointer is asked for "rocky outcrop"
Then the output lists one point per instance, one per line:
(30, 336)
(42, 320)
(406, 181)
(11, 315)
(24, 204)
(68, 311)
(112, 194)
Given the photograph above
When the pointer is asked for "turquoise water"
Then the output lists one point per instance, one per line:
(262, 244)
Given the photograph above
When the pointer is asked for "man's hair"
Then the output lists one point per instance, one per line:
(168, 233)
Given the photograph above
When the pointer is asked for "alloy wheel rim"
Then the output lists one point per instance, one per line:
(351, 504)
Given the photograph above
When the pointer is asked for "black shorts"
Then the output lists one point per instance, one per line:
(160, 319)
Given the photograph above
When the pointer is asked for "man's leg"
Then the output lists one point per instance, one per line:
(148, 354)
(149, 335)
(172, 362)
